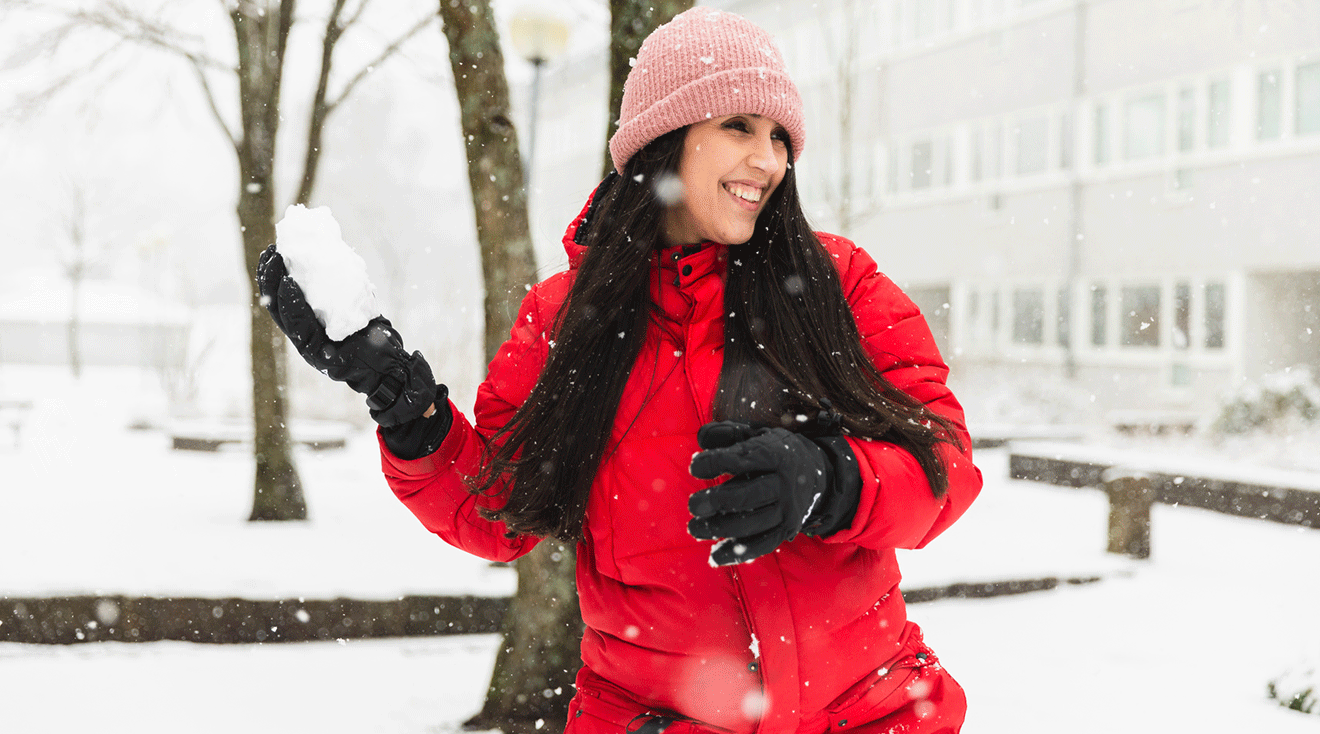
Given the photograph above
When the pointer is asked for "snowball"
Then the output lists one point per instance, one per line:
(331, 275)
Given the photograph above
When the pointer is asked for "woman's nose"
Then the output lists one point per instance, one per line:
(762, 157)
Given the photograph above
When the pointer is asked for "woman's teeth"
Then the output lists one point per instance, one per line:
(744, 193)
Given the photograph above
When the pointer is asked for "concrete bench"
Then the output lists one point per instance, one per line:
(1135, 480)
(13, 413)
(203, 435)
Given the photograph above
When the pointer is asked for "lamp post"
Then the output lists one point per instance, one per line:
(539, 36)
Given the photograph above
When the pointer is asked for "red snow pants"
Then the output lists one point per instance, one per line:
(916, 695)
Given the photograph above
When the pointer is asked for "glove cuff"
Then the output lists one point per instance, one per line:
(421, 437)
(835, 510)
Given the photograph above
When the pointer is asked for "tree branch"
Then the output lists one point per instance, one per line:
(211, 104)
(123, 22)
(386, 53)
(320, 111)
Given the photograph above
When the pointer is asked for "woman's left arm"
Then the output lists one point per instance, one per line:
(897, 508)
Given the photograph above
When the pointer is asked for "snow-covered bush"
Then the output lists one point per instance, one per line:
(1276, 401)
(1297, 689)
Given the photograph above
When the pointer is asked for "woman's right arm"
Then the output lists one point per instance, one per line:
(433, 487)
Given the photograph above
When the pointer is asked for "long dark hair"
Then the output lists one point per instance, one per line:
(790, 341)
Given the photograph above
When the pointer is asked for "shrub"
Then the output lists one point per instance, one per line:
(1296, 690)
(1272, 402)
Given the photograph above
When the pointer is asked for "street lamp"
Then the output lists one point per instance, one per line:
(539, 36)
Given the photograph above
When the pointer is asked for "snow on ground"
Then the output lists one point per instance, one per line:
(1185, 641)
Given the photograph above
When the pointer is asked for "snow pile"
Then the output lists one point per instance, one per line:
(1279, 400)
(331, 275)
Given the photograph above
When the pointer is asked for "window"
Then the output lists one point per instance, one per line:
(1065, 141)
(1063, 318)
(919, 172)
(1032, 143)
(1143, 127)
(1028, 316)
(1182, 316)
(1214, 315)
(942, 161)
(1186, 119)
(1308, 99)
(1269, 106)
(1102, 134)
(994, 150)
(976, 169)
(1099, 315)
(1217, 114)
(1140, 323)
(891, 169)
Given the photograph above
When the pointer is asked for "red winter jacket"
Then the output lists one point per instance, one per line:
(776, 640)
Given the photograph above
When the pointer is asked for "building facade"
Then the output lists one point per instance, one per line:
(1122, 192)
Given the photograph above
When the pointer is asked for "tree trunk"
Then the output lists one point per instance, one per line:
(631, 21)
(75, 307)
(261, 29)
(536, 665)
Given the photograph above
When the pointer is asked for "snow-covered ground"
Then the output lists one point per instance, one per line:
(1186, 641)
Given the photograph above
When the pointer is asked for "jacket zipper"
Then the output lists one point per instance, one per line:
(755, 647)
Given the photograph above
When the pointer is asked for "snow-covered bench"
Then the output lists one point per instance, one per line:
(13, 413)
(211, 435)
(1234, 488)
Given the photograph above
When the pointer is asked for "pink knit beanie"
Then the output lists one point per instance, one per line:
(704, 63)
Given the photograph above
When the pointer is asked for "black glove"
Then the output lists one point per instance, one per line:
(421, 436)
(398, 385)
(783, 483)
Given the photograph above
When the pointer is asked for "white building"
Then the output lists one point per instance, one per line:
(1127, 191)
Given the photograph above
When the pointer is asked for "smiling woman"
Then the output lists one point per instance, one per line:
(736, 419)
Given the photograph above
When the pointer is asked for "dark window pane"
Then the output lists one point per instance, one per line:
(1214, 315)
(1182, 316)
(1028, 316)
(1140, 323)
(1099, 315)
(1063, 332)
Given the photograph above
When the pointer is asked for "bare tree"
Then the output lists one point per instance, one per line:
(76, 258)
(539, 657)
(261, 34)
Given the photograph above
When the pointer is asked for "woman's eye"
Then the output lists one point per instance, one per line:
(736, 125)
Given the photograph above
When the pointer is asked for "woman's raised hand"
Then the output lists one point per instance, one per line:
(399, 386)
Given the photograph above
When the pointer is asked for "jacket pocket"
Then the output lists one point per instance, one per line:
(604, 710)
(889, 688)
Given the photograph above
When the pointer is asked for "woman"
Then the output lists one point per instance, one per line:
(708, 369)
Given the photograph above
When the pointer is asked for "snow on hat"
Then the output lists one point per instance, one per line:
(704, 63)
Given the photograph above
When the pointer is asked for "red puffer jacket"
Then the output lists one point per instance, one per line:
(767, 646)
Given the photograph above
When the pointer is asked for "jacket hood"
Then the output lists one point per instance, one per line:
(576, 251)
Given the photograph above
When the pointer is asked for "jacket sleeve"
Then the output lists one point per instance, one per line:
(897, 508)
(434, 487)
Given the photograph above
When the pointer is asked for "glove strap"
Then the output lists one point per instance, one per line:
(385, 393)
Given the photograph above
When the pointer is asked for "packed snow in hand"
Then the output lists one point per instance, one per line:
(331, 275)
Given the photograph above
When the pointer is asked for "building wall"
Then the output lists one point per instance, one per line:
(1135, 204)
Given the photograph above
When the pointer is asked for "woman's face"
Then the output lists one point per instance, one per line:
(729, 167)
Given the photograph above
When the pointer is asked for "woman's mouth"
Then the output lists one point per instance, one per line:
(747, 196)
